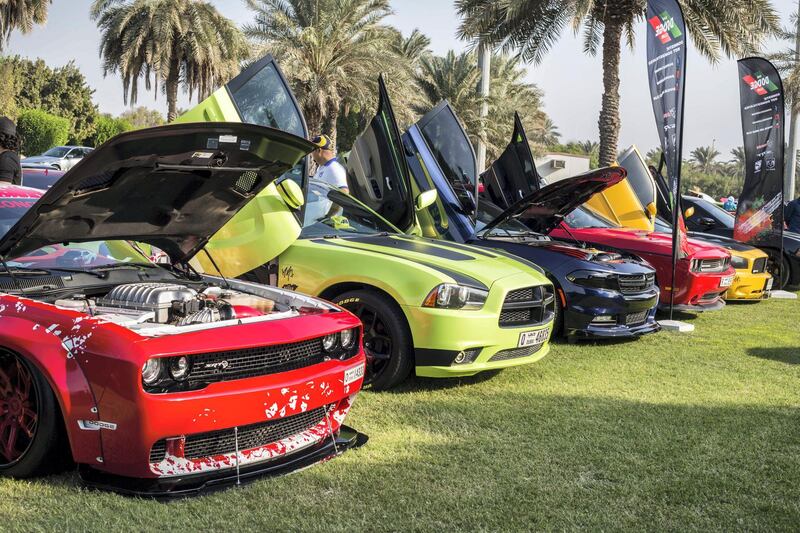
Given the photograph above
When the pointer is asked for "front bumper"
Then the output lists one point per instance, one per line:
(440, 335)
(176, 487)
(585, 305)
(748, 286)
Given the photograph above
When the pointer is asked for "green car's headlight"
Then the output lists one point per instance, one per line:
(738, 262)
(452, 296)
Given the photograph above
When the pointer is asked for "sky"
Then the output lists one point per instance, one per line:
(571, 80)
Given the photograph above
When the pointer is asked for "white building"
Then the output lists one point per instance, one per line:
(555, 166)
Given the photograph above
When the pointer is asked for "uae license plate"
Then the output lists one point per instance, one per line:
(532, 338)
(769, 284)
(726, 281)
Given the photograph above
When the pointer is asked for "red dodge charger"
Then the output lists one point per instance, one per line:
(153, 378)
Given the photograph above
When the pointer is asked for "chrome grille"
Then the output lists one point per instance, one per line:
(527, 307)
(251, 362)
(516, 353)
(633, 284)
(760, 265)
(252, 436)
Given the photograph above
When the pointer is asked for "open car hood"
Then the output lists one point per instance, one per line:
(172, 186)
(543, 210)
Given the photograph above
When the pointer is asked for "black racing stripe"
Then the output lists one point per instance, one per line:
(522, 260)
(461, 279)
(414, 245)
(448, 244)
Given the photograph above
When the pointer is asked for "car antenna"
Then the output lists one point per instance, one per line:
(227, 285)
(13, 277)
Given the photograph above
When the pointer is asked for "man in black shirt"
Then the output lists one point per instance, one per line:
(10, 169)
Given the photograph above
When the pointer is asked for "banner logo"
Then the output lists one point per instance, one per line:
(665, 27)
(760, 84)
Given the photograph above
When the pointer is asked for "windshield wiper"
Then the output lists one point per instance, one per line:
(23, 270)
(103, 268)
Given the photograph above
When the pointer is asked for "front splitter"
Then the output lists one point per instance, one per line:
(194, 484)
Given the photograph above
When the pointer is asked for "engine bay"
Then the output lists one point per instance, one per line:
(161, 308)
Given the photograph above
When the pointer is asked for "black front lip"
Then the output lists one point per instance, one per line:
(192, 485)
(716, 306)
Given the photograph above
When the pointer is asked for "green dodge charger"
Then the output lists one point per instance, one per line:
(438, 308)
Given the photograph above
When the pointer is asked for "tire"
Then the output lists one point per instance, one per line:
(558, 312)
(785, 270)
(384, 322)
(28, 408)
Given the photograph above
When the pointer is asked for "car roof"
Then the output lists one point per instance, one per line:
(8, 190)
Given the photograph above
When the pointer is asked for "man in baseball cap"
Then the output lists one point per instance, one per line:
(10, 168)
(329, 169)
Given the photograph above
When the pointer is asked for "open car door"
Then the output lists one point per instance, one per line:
(377, 171)
(513, 175)
(626, 203)
(266, 226)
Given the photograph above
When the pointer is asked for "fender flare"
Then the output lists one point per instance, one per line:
(45, 350)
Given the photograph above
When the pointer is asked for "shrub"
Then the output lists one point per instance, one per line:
(106, 127)
(40, 131)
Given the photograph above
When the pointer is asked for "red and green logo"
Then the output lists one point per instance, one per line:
(760, 84)
(665, 27)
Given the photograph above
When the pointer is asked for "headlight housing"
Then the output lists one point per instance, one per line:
(595, 280)
(739, 263)
(454, 296)
(151, 371)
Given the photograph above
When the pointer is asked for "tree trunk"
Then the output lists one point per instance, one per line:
(332, 119)
(609, 122)
(172, 83)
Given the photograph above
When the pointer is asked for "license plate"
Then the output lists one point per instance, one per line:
(531, 338)
(353, 374)
(727, 281)
(769, 284)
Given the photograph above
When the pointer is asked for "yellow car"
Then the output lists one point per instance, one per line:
(632, 204)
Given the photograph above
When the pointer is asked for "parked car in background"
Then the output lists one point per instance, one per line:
(159, 381)
(58, 157)
(40, 177)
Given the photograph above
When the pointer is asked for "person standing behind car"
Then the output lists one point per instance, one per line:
(329, 169)
(10, 168)
(792, 215)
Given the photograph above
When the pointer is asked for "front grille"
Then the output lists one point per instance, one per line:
(516, 353)
(237, 364)
(709, 297)
(252, 436)
(527, 307)
(635, 319)
(636, 283)
(710, 265)
(760, 265)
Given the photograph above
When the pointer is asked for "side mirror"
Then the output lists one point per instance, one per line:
(426, 199)
(689, 213)
(707, 222)
(291, 194)
(652, 210)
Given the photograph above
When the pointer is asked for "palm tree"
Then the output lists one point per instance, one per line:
(331, 50)
(531, 27)
(21, 15)
(738, 162)
(588, 146)
(174, 42)
(786, 62)
(454, 77)
(704, 159)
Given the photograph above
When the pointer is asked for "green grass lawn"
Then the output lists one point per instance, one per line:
(674, 431)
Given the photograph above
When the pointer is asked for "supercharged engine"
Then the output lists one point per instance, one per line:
(170, 303)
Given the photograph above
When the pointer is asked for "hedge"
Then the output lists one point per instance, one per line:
(106, 127)
(40, 131)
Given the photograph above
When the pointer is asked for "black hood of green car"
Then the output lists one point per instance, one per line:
(173, 187)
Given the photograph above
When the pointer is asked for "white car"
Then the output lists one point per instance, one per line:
(58, 157)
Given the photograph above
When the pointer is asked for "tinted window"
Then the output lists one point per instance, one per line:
(264, 99)
(58, 151)
(11, 210)
(639, 177)
(331, 212)
(704, 209)
(452, 150)
(583, 218)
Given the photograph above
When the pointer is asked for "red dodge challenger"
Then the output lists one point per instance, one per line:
(702, 277)
(152, 378)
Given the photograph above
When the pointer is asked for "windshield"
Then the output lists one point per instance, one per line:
(85, 255)
(662, 226)
(583, 218)
(331, 212)
(58, 151)
(11, 210)
(510, 227)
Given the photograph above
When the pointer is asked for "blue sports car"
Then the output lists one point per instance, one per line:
(601, 294)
